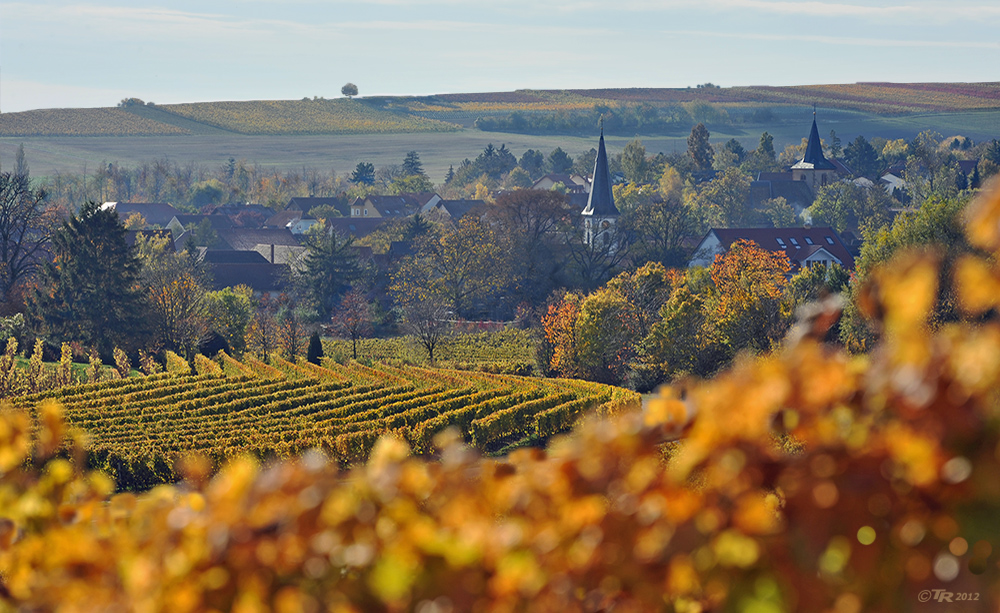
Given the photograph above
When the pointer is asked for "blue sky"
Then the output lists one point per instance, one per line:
(60, 53)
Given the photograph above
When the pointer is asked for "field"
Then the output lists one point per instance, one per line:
(138, 427)
(438, 150)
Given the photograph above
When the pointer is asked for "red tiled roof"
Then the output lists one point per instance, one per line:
(796, 243)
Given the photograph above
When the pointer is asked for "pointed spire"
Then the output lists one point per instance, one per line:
(601, 202)
(814, 150)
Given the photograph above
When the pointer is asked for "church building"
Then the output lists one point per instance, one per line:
(814, 168)
(600, 215)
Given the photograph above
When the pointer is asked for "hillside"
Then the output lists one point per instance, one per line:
(658, 110)
(139, 426)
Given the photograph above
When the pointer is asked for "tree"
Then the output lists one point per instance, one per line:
(204, 234)
(634, 163)
(90, 292)
(364, 174)
(427, 320)
(458, 267)
(593, 263)
(657, 228)
(229, 312)
(737, 149)
(20, 162)
(528, 222)
(263, 332)
(699, 149)
(749, 281)
(291, 328)
(559, 324)
(353, 318)
(411, 184)
(766, 146)
(349, 89)
(328, 269)
(762, 159)
(559, 162)
(849, 207)
(778, 212)
(25, 228)
(862, 158)
(835, 149)
(533, 162)
(315, 352)
(936, 225)
(175, 286)
(724, 201)
(412, 165)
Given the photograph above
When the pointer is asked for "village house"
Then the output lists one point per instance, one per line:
(803, 246)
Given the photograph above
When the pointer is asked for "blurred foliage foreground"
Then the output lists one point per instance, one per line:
(808, 480)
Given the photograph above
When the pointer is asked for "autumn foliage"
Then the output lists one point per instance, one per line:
(806, 480)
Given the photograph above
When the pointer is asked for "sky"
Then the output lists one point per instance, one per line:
(62, 53)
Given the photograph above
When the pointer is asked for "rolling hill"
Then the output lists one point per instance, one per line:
(451, 112)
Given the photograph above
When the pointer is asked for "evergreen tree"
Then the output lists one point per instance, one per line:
(315, 351)
(364, 173)
(90, 291)
(412, 165)
(559, 161)
(533, 162)
(451, 173)
(766, 146)
(862, 157)
(329, 268)
(835, 149)
(736, 148)
(699, 148)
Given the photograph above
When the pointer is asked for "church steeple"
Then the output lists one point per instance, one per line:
(814, 152)
(601, 202)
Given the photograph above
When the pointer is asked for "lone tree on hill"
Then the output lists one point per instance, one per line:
(350, 90)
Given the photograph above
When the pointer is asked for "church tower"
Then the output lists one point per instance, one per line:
(600, 214)
(814, 168)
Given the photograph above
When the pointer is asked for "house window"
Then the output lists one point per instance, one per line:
(366, 212)
(829, 240)
(781, 243)
(809, 241)
(794, 242)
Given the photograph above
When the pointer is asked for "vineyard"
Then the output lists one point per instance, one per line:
(82, 122)
(305, 117)
(139, 426)
(808, 479)
(448, 112)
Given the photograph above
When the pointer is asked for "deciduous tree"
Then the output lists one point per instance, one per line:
(353, 318)
(25, 228)
(175, 287)
(459, 267)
